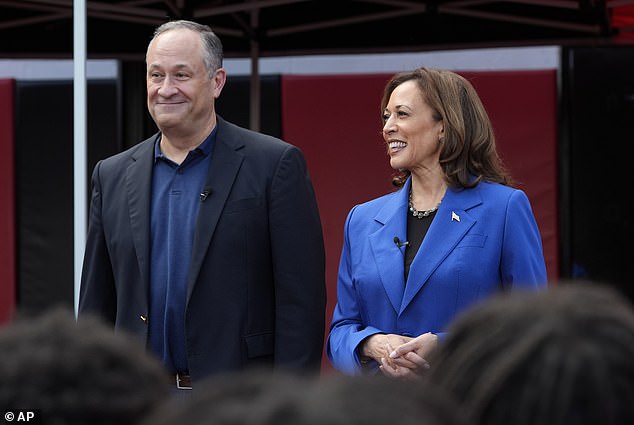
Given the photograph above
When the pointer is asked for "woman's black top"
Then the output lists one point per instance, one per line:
(416, 230)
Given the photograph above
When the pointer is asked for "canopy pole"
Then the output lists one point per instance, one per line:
(79, 141)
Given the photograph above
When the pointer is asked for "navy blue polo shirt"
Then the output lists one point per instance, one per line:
(176, 197)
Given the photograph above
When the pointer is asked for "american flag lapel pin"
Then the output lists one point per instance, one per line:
(455, 217)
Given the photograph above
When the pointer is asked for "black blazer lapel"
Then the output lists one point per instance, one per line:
(138, 183)
(225, 163)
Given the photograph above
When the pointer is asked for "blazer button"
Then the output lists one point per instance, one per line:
(143, 319)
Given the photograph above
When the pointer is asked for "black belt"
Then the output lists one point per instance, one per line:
(182, 381)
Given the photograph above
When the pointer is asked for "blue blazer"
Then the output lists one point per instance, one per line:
(481, 240)
(255, 291)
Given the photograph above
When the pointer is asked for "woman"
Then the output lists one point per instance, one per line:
(454, 233)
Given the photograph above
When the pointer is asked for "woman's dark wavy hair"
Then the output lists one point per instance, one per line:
(468, 153)
(564, 356)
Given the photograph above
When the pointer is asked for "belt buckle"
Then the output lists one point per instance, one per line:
(179, 386)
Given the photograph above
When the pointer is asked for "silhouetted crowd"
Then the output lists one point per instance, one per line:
(560, 356)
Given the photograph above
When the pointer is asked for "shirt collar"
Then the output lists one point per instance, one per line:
(205, 147)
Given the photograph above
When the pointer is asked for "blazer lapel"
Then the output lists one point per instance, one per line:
(393, 217)
(225, 163)
(138, 187)
(451, 223)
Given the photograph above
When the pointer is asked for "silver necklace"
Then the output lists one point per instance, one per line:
(423, 213)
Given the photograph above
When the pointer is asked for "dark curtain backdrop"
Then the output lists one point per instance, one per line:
(44, 183)
(597, 205)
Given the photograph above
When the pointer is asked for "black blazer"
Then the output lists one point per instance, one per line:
(256, 288)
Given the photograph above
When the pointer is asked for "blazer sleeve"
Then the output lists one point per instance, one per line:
(97, 292)
(298, 264)
(523, 265)
(347, 329)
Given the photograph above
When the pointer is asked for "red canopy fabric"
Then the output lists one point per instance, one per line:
(7, 202)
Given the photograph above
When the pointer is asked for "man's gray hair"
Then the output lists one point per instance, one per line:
(212, 46)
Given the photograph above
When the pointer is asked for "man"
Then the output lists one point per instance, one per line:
(205, 240)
